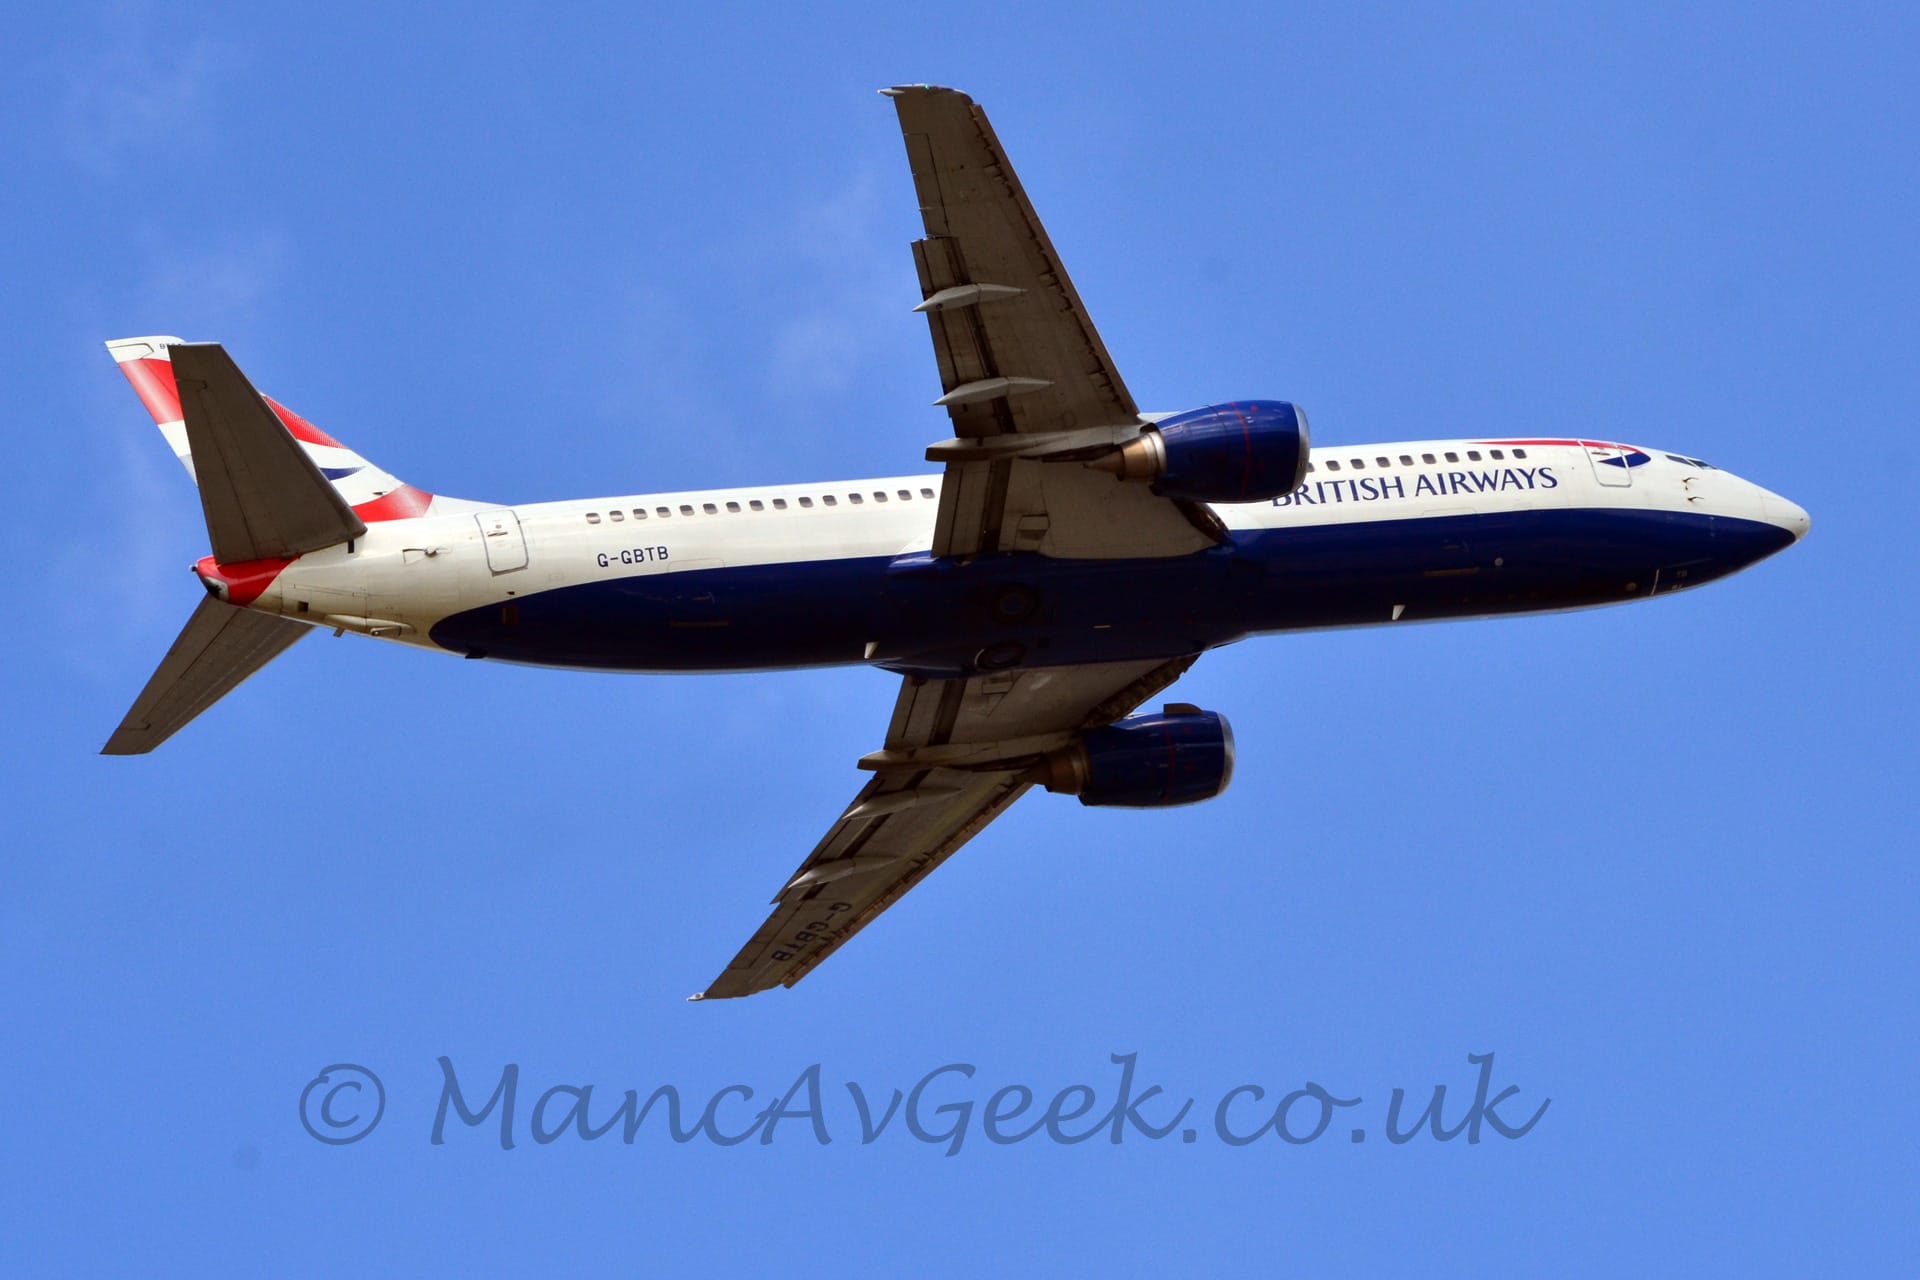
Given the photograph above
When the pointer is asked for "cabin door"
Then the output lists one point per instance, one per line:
(505, 543)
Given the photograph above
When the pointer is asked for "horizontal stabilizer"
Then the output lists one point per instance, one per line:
(264, 498)
(220, 646)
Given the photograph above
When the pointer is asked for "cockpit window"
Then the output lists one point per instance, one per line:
(1691, 462)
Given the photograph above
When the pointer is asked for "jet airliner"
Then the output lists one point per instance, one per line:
(1070, 559)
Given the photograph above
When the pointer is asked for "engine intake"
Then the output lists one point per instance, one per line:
(1175, 756)
(1243, 452)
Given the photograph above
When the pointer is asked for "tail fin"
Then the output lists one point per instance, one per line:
(372, 493)
(272, 487)
(263, 496)
(220, 646)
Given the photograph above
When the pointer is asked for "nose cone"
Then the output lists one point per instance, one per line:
(1790, 516)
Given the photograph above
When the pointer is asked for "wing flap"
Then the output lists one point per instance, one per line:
(1018, 355)
(982, 230)
(1009, 705)
(867, 862)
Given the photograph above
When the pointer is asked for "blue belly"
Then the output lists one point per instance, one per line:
(934, 617)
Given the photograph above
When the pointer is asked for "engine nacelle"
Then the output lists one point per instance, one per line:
(1244, 452)
(1176, 756)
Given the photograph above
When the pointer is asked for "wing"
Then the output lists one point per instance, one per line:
(1023, 375)
(958, 753)
(1019, 357)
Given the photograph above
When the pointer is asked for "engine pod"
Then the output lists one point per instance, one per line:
(1247, 451)
(1147, 761)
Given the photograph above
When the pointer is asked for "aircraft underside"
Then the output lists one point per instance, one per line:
(920, 615)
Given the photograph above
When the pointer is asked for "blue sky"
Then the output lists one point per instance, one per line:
(1657, 860)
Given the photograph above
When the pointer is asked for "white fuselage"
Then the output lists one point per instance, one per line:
(407, 578)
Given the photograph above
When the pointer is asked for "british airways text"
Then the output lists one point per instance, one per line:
(1438, 485)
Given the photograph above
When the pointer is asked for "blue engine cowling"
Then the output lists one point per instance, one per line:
(1247, 451)
(1176, 756)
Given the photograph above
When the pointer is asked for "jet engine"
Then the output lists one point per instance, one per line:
(1244, 452)
(1175, 756)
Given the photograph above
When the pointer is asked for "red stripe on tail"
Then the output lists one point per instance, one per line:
(301, 428)
(153, 381)
(402, 504)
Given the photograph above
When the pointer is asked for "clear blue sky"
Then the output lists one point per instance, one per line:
(1659, 859)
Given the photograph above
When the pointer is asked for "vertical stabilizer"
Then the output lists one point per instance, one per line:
(263, 497)
(374, 493)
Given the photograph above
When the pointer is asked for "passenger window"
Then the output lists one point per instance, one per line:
(1310, 466)
(1406, 459)
(1383, 462)
(710, 509)
(664, 513)
(639, 513)
(593, 517)
(879, 495)
(1426, 457)
(685, 510)
(1497, 455)
(1359, 464)
(1333, 464)
(1519, 453)
(828, 500)
(734, 507)
(616, 516)
(1453, 457)
(756, 504)
(906, 495)
(779, 504)
(806, 502)
(855, 499)
(1473, 455)
(926, 493)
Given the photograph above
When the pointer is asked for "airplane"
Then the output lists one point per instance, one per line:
(1070, 560)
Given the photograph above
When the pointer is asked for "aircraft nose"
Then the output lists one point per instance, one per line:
(1790, 516)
